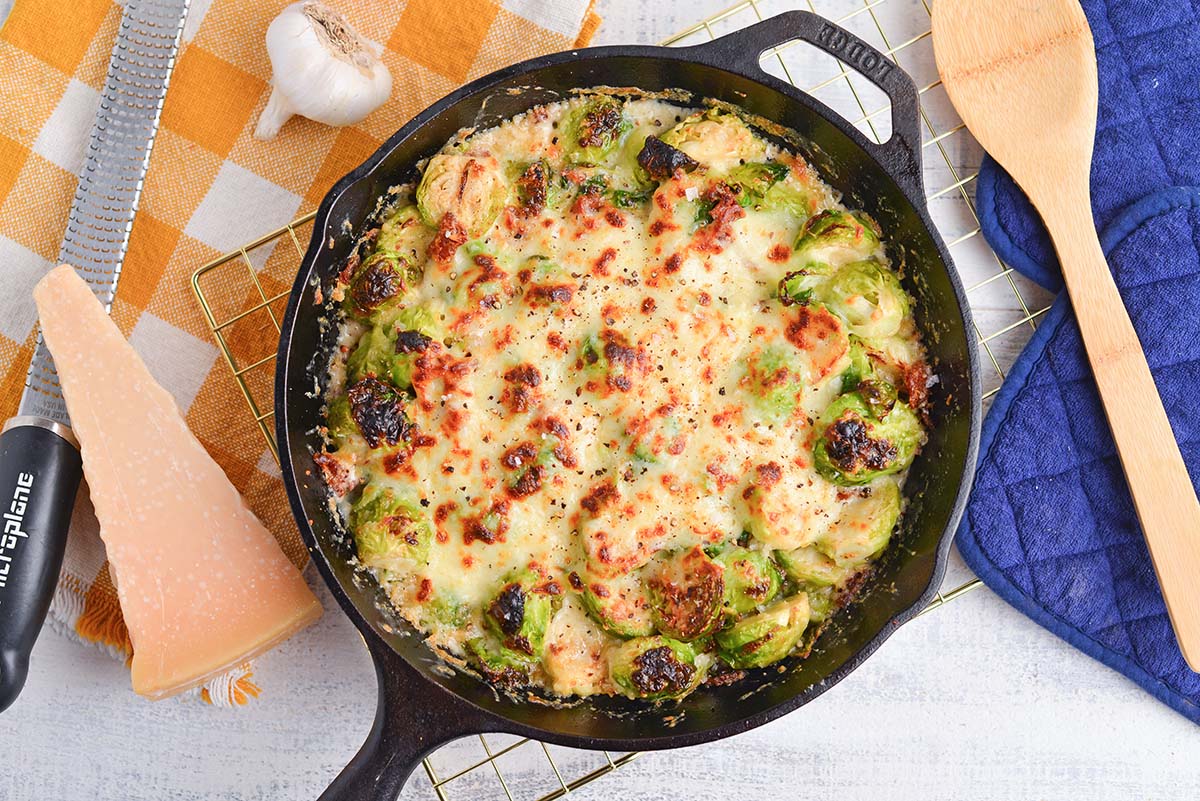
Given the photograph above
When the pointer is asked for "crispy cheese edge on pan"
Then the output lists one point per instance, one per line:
(203, 584)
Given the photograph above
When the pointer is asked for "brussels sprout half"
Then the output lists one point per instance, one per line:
(810, 567)
(474, 188)
(341, 430)
(390, 530)
(836, 237)
(536, 187)
(379, 284)
(864, 527)
(717, 139)
(655, 668)
(519, 612)
(860, 366)
(687, 593)
(766, 637)
(659, 161)
(751, 578)
(620, 605)
(868, 296)
(756, 180)
(379, 412)
(855, 447)
(403, 233)
(773, 376)
(822, 603)
(799, 287)
(501, 666)
(392, 345)
(594, 130)
(447, 610)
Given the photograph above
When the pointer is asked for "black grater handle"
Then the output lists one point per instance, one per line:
(40, 470)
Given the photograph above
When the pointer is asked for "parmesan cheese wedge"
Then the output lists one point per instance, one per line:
(202, 583)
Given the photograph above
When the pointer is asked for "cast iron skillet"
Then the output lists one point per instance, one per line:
(421, 703)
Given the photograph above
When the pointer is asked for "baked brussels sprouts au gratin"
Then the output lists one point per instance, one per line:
(624, 400)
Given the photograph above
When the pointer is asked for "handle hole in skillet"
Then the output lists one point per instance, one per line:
(833, 83)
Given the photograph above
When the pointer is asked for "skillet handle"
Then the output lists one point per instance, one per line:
(742, 50)
(413, 718)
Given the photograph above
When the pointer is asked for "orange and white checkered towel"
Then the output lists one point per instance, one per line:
(211, 188)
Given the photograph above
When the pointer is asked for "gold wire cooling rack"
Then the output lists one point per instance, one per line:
(1006, 308)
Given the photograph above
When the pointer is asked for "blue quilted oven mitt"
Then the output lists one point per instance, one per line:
(1050, 526)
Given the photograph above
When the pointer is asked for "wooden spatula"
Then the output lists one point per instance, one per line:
(1022, 74)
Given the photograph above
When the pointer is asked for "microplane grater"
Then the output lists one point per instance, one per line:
(110, 183)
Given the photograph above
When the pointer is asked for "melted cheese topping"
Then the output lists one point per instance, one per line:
(598, 395)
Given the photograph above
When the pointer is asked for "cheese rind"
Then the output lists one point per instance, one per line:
(203, 585)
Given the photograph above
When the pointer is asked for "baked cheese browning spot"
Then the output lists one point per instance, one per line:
(549, 294)
(520, 391)
(450, 236)
(338, 475)
(533, 187)
(822, 336)
(614, 394)
(722, 209)
(779, 253)
(601, 265)
(489, 527)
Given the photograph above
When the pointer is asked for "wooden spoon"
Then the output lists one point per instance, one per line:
(1022, 74)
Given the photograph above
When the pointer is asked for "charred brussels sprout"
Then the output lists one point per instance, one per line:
(473, 188)
(868, 297)
(655, 668)
(660, 161)
(379, 283)
(856, 447)
(537, 188)
(378, 410)
(619, 605)
(766, 637)
(773, 377)
(810, 567)
(837, 237)
(687, 593)
(717, 139)
(390, 530)
(594, 130)
(864, 527)
(751, 578)
(519, 613)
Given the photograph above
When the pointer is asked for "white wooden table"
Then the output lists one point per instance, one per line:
(970, 701)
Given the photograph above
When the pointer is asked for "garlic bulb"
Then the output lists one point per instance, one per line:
(322, 69)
